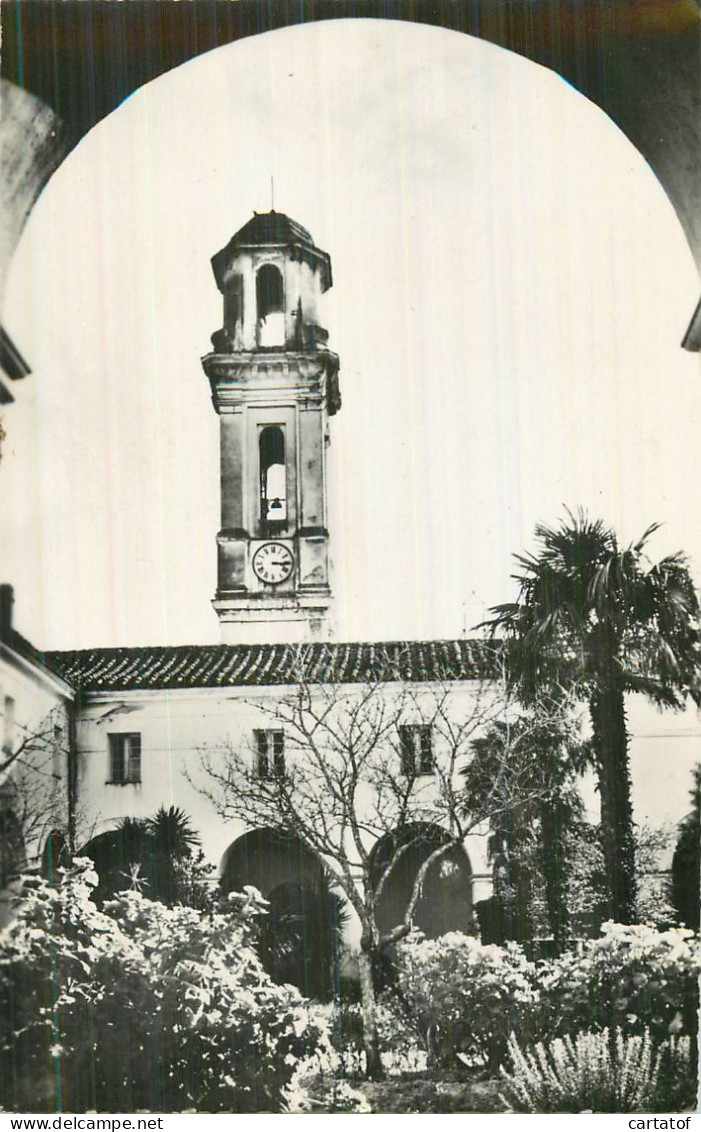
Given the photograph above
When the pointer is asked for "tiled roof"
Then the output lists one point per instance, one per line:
(24, 648)
(221, 666)
(271, 228)
(20, 644)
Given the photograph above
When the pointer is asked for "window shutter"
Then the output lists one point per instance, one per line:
(406, 744)
(426, 750)
(116, 758)
(278, 752)
(262, 753)
(134, 774)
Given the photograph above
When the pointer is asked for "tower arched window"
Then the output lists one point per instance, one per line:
(273, 479)
(270, 306)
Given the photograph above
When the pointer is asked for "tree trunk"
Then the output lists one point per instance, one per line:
(371, 1043)
(610, 736)
(552, 828)
(521, 870)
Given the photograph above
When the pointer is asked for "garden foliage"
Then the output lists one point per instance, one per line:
(631, 977)
(466, 996)
(599, 1072)
(150, 1007)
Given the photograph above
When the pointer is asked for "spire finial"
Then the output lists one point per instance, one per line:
(272, 193)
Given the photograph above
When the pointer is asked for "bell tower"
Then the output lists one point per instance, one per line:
(274, 385)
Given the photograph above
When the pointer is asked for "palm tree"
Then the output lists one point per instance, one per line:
(151, 854)
(604, 621)
(172, 841)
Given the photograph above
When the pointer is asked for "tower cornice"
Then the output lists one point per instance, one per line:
(261, 365)
(307, 378)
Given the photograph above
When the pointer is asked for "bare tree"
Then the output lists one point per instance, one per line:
(350, 780)
(35, 788)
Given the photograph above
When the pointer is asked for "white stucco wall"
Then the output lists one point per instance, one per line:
(33, 785)
(664, 748)
(34, 733)
(176, 728)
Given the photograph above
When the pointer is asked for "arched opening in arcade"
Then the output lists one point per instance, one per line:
(445, 897)
(299, 939)
(56, 855)
(123, 859)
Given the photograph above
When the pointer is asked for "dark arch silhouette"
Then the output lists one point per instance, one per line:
(445, 903)
(64, 55)
(300, 936)
(116, 855)
(56, 855)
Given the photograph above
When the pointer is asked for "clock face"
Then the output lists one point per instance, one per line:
(273, 563)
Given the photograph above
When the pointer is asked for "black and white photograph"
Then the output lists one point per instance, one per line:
(350, 551)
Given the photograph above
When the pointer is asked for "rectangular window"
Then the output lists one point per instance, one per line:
(416, 748)
(8, 729)
(125, 759)
(270, 752)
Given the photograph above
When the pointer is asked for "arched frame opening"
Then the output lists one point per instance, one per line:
(184, 398)
(604, 51)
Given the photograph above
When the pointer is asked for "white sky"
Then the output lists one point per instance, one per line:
(511, 288)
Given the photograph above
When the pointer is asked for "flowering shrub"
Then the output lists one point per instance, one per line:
(593, 1073)
(632, 977)
(466, 996)
(150, 1007)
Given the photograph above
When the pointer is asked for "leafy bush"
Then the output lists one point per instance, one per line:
(587, 895)
(466, 997)
(403, 1050)
(150, 1007)
(595, 1073)
(632, 977)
